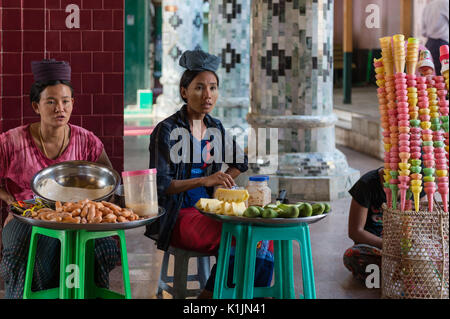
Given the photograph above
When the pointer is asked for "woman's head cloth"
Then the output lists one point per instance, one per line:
(199, 60)
(51, 70)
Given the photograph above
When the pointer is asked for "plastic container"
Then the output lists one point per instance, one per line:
(140, 192)
(258, 190)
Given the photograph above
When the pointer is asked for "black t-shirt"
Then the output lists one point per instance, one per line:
(369, 193)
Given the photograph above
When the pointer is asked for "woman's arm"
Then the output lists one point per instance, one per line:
(104, 159)
(233, 172)
(6, 197)
(216, 179)
(357, 220)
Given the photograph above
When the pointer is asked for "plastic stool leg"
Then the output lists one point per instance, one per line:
(65, 287)
(30, 265)
(222, 263)
(288, 270)
(278, 269)
(248, 279)
(203, 270)
(307, 264)
(180, 275)
(125, 270)
(163, 275)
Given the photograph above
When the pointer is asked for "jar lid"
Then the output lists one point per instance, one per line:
(136, 173)
(258, 178)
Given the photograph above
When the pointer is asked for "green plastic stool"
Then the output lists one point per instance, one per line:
(85, 260)
(247, 236)
(77, 247)
(67, 239)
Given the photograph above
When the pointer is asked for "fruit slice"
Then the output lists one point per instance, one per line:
(209, 205)
(231, 195)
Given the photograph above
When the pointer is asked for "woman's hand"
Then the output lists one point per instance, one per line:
(6, 197)
(219, 179)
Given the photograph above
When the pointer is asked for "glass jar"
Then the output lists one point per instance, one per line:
(258, 190)
(140, 192)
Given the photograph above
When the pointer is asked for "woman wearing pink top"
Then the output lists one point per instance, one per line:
(26, 150)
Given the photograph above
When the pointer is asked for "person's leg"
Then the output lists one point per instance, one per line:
(358, 257)
(16, 241)
(196, 232)
(107, 257)
(434, 46)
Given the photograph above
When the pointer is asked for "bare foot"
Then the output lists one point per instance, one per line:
(205, 294)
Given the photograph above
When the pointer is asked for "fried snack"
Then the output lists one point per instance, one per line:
(86, 212)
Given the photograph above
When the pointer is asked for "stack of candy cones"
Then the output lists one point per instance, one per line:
(412, 55)
(441, 154)
(401, 94)
(404, 130)
(399, 53)
(379, 70)
(386, 53)
(394, 159)
(415, 138)
(444, 57)
(427, 144)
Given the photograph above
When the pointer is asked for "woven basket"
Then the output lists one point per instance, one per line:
(415, 254)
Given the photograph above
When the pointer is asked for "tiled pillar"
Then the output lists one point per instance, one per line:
(182, 30)
(229, 38)
(292, 90)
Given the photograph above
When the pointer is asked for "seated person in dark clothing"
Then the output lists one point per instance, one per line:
(365, 226)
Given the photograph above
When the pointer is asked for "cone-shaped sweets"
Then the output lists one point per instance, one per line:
(404, 134)
(412, 55)
(379, 70)
(440, 142)
(444, 57)
(399, 53)
(386, 52)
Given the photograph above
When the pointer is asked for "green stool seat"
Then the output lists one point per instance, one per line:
(76, 265)
(247, 236)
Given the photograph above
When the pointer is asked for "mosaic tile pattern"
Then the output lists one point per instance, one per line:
(182, 30)
(229, 38)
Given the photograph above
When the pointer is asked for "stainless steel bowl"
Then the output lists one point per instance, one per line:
(79, 174)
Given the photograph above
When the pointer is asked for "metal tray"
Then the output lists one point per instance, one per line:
(259, 221)
(89, 227)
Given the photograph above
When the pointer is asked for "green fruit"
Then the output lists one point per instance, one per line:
(318, 209)
(305, 210)
(259, 208)
(269, 213)
(252, 212)
(273, 206)
(327, 208)
(292, 212)
(284, 206)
